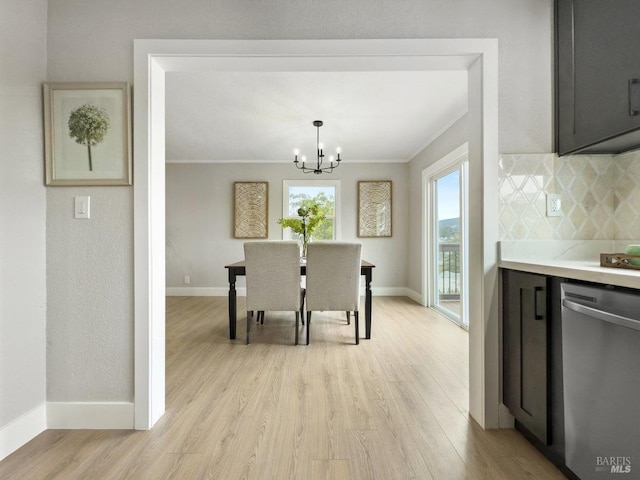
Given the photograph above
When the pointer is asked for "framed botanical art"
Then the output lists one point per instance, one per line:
(374, 208)
(251, 210)
(87, 133)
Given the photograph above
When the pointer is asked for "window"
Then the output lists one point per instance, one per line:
(325, 192)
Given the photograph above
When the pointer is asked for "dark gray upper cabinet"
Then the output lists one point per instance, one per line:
(597, 76)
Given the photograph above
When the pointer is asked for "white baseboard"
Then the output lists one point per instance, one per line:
(90, 415)
(201, 291)
(241, 292)
(389, 291)
(415, 296)
(22, 430)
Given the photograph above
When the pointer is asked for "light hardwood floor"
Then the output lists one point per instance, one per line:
(394, 407)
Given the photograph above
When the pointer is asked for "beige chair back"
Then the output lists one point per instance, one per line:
(272, 275)
(333, 276)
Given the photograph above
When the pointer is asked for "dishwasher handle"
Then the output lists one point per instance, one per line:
(602, 315)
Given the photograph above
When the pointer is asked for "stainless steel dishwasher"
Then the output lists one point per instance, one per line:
(601, 373)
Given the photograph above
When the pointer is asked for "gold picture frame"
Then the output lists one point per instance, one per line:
(374, 208)
(250, 210)
(87, 133)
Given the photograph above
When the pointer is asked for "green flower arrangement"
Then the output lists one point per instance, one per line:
(311, 217)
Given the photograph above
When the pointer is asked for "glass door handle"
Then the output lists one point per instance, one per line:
(634, 109)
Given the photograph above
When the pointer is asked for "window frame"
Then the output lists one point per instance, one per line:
(287, 184)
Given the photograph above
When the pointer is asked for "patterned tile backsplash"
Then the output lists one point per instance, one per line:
(600, 196)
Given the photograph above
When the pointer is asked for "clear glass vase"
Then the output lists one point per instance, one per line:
(303, 246)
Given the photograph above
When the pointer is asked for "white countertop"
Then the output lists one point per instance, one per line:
(579, 260)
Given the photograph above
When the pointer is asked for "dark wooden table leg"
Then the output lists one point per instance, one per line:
(368, 303)
(232, 304)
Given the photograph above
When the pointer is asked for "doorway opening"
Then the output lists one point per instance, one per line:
(154, 58)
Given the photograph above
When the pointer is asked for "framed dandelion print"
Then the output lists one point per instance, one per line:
(250, 210)
(87, 133)
(374, 208)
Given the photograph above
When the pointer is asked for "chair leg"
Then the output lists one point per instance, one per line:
(297, 325)
(356, 316)
(308, 325)
(248, 329)
(348, 318)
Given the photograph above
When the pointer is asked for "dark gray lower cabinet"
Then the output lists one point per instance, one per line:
(532, 360)
(525, 365)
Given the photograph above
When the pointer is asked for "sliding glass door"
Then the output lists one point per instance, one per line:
(446, 190)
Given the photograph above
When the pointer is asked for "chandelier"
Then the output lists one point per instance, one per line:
(319, 168)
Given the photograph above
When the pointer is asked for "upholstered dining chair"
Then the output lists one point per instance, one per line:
(273, 279)
(333, 280)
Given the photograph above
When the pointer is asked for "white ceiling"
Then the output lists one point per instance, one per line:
(264, 116)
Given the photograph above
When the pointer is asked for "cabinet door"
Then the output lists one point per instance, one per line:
(598, 74)
(525, 352)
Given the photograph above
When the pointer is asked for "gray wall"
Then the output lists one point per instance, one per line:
(90, 296)
(91, 41)
(451, 139)
(199, 199)
(22, 209)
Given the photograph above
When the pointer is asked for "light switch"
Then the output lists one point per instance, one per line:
(82, 207)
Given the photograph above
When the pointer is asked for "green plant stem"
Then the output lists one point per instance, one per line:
(90, 163)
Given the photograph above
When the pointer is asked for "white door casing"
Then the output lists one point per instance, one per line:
(153, 58)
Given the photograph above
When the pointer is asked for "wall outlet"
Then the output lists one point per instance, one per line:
(187, 280)
(554, 205)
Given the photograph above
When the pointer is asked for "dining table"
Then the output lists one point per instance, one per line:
(237, 269)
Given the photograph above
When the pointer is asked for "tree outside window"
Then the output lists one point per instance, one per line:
(304, 194)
